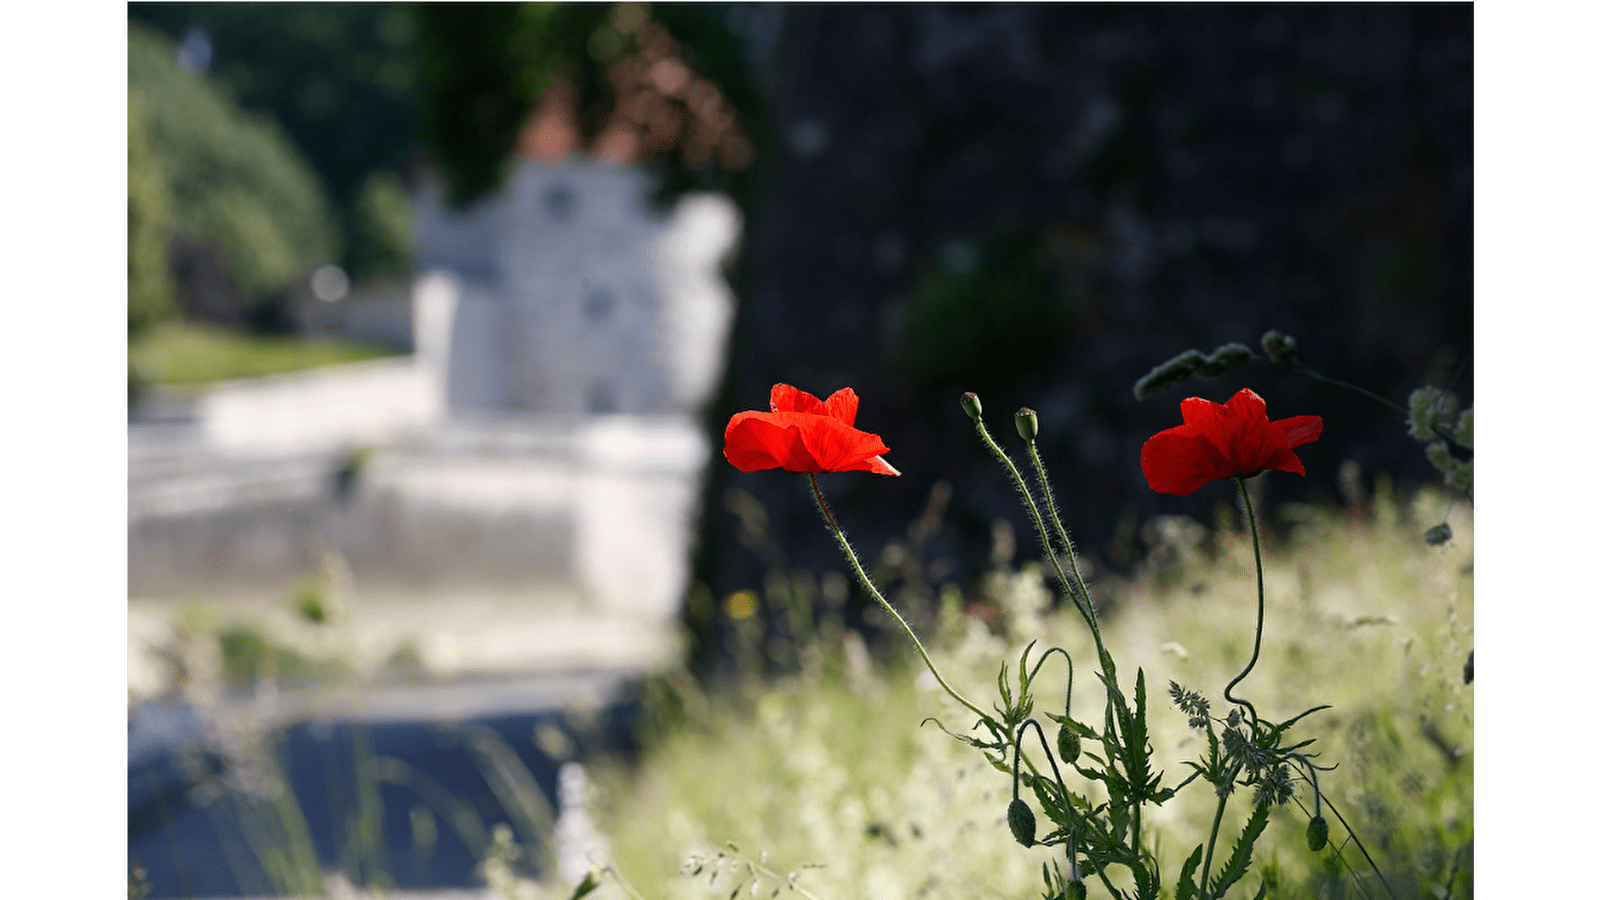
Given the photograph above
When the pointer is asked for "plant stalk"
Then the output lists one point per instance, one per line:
(866, 582)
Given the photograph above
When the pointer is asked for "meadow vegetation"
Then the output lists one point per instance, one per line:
(825, 776)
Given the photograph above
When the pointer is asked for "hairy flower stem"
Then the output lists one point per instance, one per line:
(1061, 533)
(866, 582)
(1261, 603)
(1211, 843)
(1084, 607)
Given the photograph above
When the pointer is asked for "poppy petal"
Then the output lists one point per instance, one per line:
(1300, 429)
(1181, 460)
(842, 406)
(804, 434)
(1247, 403)
(753, 442)
(1285, 460)
(787, 398)
(879, 466)
(837, 446)
(1200, 411)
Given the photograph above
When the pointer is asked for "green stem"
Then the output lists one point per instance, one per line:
(866, 582)
(1039, 731)
(1085, 609)
(1211, 843)
(1312, 373)
(1261, 603)
(1061, 531)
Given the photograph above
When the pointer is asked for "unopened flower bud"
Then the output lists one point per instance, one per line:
(970, 403)
(1027, 423)
(1068, 745)
(1020, 818)
(1317, 833)
(1076, 890)
(1280, 348)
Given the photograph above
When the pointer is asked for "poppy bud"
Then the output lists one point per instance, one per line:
(1076, 890)
(1068, 745)
(1280, 348)
(1020, 818)
(1027, 423)
(1317, 833)
(969, 402)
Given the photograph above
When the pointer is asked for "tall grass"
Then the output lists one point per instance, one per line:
(826, 774)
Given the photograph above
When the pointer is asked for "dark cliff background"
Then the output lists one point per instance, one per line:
(1041, 202)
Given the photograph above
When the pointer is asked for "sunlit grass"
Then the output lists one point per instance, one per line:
(191, 354)
(830, 767)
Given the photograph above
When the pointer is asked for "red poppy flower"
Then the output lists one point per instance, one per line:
(804, 434)
(1222, 440)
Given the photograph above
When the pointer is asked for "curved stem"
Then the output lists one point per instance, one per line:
(1313, 373)
(1211, 843)
(866, 582)
(1261, 603)
(1038, 730)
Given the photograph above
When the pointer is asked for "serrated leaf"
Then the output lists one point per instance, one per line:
(1187, 885)
(1239, 860)
(1148, 884)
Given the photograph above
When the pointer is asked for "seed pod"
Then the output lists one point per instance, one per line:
(1020, 818)
(1076, 890)
(1068, 745)
(1027, 423)
(969, 402)
(1317, 833)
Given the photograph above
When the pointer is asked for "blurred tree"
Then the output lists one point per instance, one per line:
(382, 229)
(341, 80)
(239, 189)
(667, 85)
(149, 226)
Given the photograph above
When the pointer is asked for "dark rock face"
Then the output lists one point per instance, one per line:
(1040, 203)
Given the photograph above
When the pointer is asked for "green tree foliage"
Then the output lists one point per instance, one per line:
(236, 181)
(149, 227)
(382, 229)
(341, 80)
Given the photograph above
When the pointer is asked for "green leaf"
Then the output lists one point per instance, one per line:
(1187, 886)
(589, 884)
(1239, 861)
(1149, 885)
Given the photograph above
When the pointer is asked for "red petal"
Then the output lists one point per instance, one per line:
(1181, 460)
(1200, 411)
(836, 446)
(879, 466)
(786, 398)
(754, 441)
(842, 405)
(1300, 429)
(1247, 404)
(1286, 461)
